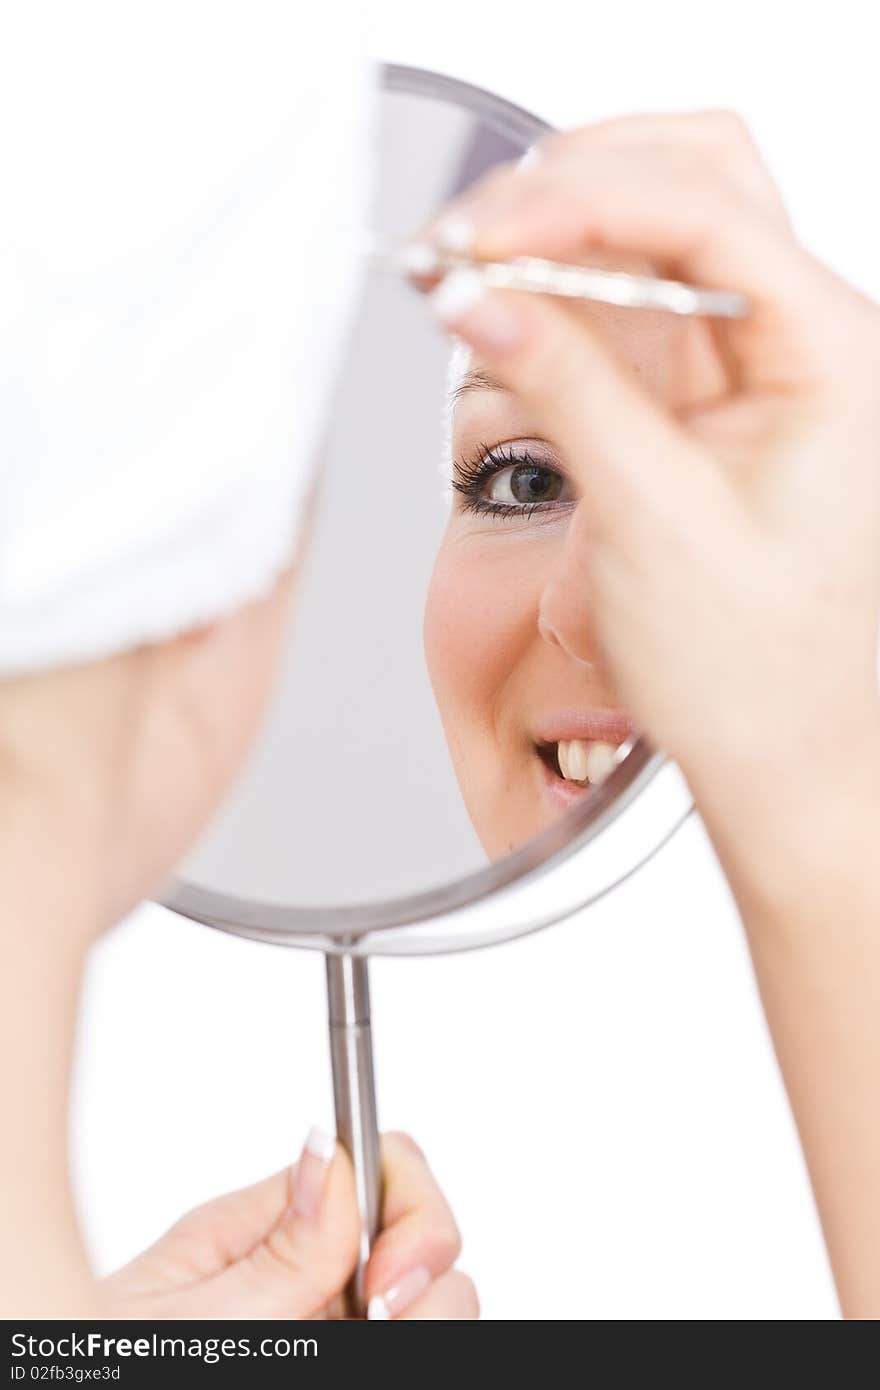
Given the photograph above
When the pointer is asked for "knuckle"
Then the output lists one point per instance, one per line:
(198, 1222)
(453, 1240)
(444, 1243)
(497, 180)
(555, 142)
(280, 1251)
(276, 1270)
(398, 1140)
(469, 1296)
(727, 125)
(741, 159)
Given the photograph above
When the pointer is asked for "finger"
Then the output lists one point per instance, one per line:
(419, 1241)
(209, 1238)
(307, 1257)
(720, 134)
(682, 213)
(636, 466)
(671, 203)
(451, 1298)
(719, 142)
(304, 1255)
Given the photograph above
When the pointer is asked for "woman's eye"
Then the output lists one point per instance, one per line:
(525, 484)
(504, 483)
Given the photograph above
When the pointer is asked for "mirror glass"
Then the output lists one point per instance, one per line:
(428, 719)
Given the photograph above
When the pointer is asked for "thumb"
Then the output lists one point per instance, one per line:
(302, 1255)
(630, 458)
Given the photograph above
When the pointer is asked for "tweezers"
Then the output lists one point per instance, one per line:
(538, 276)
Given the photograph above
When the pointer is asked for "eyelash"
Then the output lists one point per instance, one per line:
(470, 476)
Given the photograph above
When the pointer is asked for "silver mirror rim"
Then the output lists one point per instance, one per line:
(643, 802)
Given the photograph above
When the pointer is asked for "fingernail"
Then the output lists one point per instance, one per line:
(455, 233)
(490, 324)
(311, 1173)
(400, 1296)
(419, 258)
(457, 293)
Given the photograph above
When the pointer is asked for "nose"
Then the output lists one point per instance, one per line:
(565, 617)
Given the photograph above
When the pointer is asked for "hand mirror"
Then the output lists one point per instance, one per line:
(437, 772)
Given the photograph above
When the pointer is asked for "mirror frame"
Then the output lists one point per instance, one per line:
(593, 849)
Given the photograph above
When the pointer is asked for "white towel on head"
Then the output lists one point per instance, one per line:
(185, 191)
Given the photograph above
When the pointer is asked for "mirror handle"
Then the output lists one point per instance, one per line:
(354, 1094)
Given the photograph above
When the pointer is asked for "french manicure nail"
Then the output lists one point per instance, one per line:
(455, 233)
(400, 1296)
(457, 292)
(419, 258)
(491, 324)
(311, 1173)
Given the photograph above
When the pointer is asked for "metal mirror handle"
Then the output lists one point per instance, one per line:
(354, 1093)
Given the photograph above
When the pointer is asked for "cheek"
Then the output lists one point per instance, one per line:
(475, 617)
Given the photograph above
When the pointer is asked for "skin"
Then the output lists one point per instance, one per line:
(496, 658)
(87, 757)
(732, 554)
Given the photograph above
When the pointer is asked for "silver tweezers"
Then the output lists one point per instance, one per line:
(570, 281)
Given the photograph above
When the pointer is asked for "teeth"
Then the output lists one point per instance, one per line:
(562, 748)
(601, 759)
(577, 760)
(580, 761)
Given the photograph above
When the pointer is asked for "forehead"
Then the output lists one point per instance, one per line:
(643, 339)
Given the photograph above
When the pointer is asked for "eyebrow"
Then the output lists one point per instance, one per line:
(475, 381)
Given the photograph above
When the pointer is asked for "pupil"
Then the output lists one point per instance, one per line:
(529, 483)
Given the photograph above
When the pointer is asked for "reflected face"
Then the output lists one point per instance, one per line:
(528, 709)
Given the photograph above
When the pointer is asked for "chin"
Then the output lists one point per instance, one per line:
(499, 837)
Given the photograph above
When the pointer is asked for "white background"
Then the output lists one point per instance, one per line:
(600, 1102)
